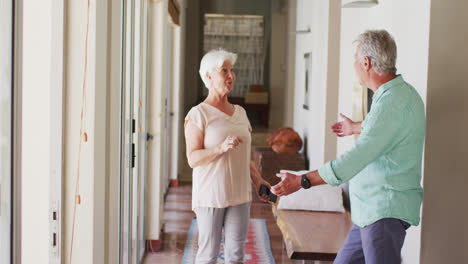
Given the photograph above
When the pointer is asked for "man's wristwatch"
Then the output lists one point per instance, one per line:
(305, 183)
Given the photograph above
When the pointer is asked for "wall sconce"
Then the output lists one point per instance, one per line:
(358, 3)
(302, 31)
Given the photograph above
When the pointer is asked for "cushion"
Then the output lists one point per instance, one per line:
(317, 198)
(285, 140)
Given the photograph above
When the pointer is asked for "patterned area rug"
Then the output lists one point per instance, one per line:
(257, 248)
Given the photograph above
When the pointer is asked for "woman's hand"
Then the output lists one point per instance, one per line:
(257, 181)
(197, 154)
(231, 142)
(346, 127)
(262, 197)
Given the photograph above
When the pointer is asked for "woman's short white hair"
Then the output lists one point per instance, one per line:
(214, 59)
(380, 47)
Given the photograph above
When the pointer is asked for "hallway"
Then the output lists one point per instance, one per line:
(94, 94)
(178, 217)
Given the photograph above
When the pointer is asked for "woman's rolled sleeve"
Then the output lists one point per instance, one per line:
(196, 118)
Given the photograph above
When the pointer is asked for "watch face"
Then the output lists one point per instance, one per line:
(305, 182)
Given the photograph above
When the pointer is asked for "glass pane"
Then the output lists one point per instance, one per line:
(6, 28)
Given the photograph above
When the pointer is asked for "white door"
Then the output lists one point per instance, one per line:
(133, 131)
(143, 135)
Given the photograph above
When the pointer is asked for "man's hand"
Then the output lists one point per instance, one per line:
(346, 127)
(290, 183)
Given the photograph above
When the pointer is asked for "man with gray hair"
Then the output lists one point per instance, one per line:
(384, 166)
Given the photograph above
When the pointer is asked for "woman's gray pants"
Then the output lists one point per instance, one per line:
(235, 220)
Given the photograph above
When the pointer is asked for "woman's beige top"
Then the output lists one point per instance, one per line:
(226, 180)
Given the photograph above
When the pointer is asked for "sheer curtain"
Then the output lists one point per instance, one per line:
(243, 35)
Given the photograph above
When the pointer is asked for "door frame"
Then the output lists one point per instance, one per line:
(133, 129)
(17, 103)
(56, 131)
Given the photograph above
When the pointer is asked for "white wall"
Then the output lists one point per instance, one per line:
(74, 69)
(445, 212)
(36, 129)
(158, 78)
(323, 19)
(290, 64)
(96, 225)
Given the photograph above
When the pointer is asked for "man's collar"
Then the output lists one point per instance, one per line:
(384, 87)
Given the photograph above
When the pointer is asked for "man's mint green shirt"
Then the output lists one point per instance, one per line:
(384, 166)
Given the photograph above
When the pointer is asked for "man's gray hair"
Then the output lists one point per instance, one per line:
(212, 60)
(380, 47)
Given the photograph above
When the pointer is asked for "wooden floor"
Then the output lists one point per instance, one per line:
(178, 217)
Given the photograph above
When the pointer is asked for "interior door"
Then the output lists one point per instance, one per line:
(143, 136)
(133, 131)
(6, 66)
(139, 132)
(127, 139)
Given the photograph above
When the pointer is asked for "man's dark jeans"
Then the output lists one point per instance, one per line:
(378, 243)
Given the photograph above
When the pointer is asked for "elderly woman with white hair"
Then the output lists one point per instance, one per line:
(217, 135)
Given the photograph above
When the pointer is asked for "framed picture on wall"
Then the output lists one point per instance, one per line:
(308, 71)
